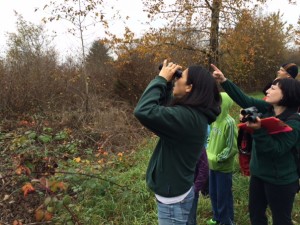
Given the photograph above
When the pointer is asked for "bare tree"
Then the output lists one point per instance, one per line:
(30, 65)
(81, 14)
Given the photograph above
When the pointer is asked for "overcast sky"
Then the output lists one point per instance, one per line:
(65, 42)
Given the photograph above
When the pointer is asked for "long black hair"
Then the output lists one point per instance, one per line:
(204, 93)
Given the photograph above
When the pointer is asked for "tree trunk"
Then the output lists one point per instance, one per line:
(86, 80)
(214, 32)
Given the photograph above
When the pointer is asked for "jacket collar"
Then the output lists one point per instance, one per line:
(287, 113)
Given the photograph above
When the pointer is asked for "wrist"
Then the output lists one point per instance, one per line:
(223, 80)
(165, 77)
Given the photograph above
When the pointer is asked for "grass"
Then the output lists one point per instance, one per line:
(119, 197)
(132, 203)
(103, 187)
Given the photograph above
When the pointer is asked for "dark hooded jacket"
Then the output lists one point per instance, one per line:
(182, 134)
(272, 159)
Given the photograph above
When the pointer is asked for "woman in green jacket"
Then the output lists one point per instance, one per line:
(274, 180)
(181, 126)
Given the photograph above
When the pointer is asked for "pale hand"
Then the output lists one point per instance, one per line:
(168, 70)
(256, 125)
(217, 74)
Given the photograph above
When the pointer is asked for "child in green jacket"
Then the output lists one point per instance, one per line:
(221, 149)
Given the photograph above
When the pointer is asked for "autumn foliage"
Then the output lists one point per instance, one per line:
(52, 149)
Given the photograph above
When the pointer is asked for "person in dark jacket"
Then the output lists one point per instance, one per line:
(181, 126)
(274, 179)
(287, 70)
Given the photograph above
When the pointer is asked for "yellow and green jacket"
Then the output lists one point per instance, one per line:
(222, 144)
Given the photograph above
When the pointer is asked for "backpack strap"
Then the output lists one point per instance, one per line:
(295, 116)
(244, 142)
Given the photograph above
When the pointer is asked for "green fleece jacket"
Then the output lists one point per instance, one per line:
(271, 159)
(222, 145)
(181, 131)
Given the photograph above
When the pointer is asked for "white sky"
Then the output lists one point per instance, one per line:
(65, 42)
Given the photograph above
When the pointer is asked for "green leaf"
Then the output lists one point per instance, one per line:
(45, 138)
(31, 134)
(50, 209)
(47, 129)
(67, 200)
(47, 201)
(60, 136)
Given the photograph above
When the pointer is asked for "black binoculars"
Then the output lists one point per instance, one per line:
(177, 74)
(250, 114)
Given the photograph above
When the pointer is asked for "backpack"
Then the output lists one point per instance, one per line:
(244, 142)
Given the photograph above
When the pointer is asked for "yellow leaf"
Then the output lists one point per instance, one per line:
(78, 159)
(19, 171)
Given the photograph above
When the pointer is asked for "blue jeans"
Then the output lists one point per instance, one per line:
(175, 214)
(220, 192)
(193, 214)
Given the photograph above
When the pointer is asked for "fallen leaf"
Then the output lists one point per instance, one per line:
(22, 168)
(27, 188)
(5, 198)
(48, 216)
(78, 159)
(39, 215)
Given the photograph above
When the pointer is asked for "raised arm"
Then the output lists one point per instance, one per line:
(236, 94)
